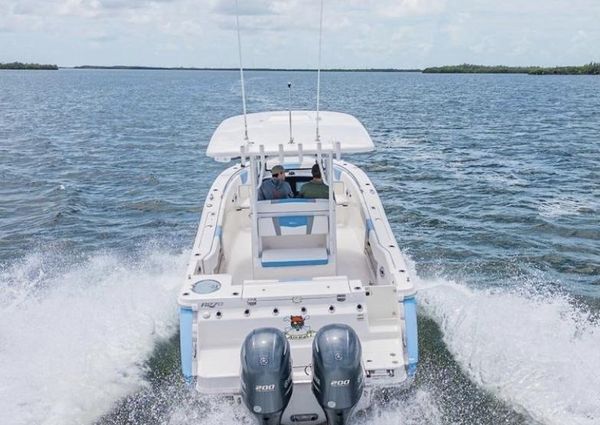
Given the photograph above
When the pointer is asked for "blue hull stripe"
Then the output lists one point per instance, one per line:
(412, 337)
(186, 319)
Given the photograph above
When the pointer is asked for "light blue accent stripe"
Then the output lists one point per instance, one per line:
(293, 263)
(186, 319)
(412, 337)
(337, 173)
(244, 176)
(293, 200)
(293, 221)
(369, 225)
(219, 231)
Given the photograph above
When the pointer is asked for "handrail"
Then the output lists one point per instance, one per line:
(389, 255)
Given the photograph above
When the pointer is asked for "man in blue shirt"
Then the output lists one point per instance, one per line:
(275, 187)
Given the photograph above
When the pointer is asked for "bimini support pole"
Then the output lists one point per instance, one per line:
(253, 213)
(338, 150)
(332, 215)
(319, 155)
(262, 164)
(243, 155)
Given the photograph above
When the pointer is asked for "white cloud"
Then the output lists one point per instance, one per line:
(283, 33)
(245, 7)
(404, 8)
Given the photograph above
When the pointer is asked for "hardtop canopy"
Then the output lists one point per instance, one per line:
(270, 132)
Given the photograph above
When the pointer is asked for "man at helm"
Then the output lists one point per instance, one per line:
(275, 187)
(315, 188)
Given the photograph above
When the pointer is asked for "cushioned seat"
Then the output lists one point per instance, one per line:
(293, 225)
(288, 257)
(293, 232)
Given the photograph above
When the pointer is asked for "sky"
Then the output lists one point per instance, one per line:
(284, 33)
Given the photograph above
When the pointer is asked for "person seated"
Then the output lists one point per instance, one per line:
(275, 187)
(315, 188)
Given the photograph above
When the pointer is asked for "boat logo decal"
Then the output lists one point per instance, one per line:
(297, 322)
(211, 305)
(298, 329)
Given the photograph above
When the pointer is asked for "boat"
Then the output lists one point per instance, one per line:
(299, 309)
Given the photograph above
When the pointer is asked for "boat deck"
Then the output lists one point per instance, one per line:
(351, 260)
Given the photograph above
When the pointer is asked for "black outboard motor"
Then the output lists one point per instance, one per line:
(337, 372)
(266, 374)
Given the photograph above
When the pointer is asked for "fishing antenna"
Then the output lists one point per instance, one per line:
(319, 71)
(290, 109)
(237, 21)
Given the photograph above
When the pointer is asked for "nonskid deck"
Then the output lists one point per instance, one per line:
(351, 257)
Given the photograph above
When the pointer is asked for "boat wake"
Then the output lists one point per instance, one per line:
(174, 404)
(537, 352)
(74, 339)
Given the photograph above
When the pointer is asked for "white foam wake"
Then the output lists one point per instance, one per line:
(69, 350)
(538, 353)
(418, 407)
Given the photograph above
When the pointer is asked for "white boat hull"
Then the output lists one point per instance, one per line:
(296, 266)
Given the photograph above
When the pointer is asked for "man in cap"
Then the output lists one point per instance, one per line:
(315, 188)
(275, 187)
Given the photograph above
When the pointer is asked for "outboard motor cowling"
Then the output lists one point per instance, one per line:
(266, 374)
(337, 372)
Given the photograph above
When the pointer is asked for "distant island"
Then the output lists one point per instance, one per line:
(589, 69)
(33, 66)
(159, 68)
(593, 68)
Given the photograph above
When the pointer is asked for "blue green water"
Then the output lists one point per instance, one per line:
(491, 184)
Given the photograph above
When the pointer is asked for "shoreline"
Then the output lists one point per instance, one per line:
(589, 69)
(159, 68)
(28, 66)
(592, 68)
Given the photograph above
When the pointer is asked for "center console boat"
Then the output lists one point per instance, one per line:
(299, 308)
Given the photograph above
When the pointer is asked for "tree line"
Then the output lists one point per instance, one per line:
(593, 68)
(20, 65)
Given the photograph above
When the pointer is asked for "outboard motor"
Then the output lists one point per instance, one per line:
(266, 374)
(337, 372)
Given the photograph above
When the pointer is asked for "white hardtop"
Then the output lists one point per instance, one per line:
(270, 132)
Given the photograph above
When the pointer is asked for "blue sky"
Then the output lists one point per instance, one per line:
(284, 33)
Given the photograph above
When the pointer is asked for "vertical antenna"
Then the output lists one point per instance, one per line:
(237, 21)
(319, 70)
(290, 109)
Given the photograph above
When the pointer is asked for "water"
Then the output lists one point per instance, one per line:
(491, 184)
